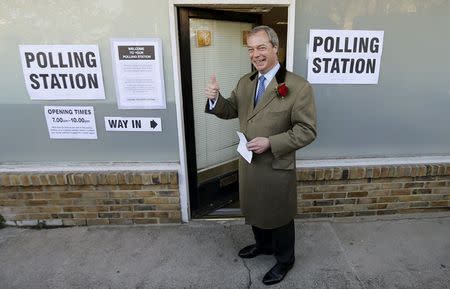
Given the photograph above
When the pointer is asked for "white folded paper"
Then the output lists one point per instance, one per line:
(242, 147)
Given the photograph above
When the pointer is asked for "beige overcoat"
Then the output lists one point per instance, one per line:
(267, 186)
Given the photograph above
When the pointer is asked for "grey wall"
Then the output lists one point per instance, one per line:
(23, 130)
(407, 112)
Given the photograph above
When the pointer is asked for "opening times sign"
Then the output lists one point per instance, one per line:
(344, 56)
(71, 122)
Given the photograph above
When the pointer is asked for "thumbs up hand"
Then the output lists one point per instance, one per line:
(212, 90)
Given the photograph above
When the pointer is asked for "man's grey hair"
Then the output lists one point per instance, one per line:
(273, 37)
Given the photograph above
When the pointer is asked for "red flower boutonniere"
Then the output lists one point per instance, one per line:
(282, 90)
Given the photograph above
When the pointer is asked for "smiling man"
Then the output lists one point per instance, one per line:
(277, 114)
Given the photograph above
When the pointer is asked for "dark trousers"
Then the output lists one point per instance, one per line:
(281, 240)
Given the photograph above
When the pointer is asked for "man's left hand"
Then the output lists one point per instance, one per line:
(258, 145)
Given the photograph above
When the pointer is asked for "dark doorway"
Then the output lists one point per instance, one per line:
(213, 42)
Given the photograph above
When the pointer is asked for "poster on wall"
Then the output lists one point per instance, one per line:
(71, 122)
(344, 56)
(57, 72)
(138, 73)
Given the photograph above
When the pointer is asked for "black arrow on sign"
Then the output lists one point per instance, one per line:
(153, 124)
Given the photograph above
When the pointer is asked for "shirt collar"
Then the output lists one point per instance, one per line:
(270, 74)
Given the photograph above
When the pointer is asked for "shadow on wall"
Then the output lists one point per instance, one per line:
(2, 222)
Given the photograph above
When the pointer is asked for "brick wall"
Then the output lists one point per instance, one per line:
(67, 199)
(377, 190)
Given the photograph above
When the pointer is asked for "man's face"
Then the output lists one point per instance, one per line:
(262, 53)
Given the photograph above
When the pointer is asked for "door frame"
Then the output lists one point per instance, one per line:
(183, 182)
(198, 191)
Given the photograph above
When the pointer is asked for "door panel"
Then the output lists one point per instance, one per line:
(226, 57)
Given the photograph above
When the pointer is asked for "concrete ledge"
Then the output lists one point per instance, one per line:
(373, 161)
(85, 167)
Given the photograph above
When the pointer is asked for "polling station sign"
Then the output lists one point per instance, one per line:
(62, 71)
(344, 56)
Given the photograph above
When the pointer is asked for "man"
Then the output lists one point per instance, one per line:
(277, 114)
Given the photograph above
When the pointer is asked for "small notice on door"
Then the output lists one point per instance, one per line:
(71, 122)
(133, 123)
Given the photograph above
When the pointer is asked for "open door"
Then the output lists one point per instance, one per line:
(211, 42)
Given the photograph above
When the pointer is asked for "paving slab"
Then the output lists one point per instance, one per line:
(409, 253)
(355, 253)
(320, 262)
(122, 257)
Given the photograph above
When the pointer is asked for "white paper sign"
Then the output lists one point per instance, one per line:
(242, 147)
(133, 124)
(62, 71)
(71, 122)
(138, 73)
(344, 56)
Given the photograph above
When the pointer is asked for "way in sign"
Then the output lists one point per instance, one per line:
(119, 123)
(132, 124)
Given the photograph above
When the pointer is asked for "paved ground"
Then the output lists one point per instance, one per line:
(390, 252)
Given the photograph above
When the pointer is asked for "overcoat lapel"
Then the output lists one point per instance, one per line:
(268, 95)
(251, 90)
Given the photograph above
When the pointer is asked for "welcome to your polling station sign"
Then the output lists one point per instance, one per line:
(344, 56)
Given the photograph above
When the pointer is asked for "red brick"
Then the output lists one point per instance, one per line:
(91, 222)
(332, 209)
(133, 215)
(73, 209)
(121, 222)
(344, 214)
(357, 194)
(311, 196)
(419, 204)
(335, 195)
(400, 192)
(367, 200)
(377, 206)
(345, 201)
(145, 221)
(97, 208)
(70, 195)
(310, 210)
(387, 199)
(442, 203)
(85, 215)
(365, 213)
(36, 202)
(120, 208)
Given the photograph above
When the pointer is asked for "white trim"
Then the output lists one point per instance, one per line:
(231, 2)
(290, 37)
(182, 173)
(85, 167)
(422, 160)
(183, 181)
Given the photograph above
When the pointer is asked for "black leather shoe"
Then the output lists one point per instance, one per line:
(251, 251)
(277, 273)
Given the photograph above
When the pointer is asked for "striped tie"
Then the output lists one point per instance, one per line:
(261, 89)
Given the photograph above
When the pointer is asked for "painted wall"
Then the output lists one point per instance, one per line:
(23, 130)
(406, 113)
